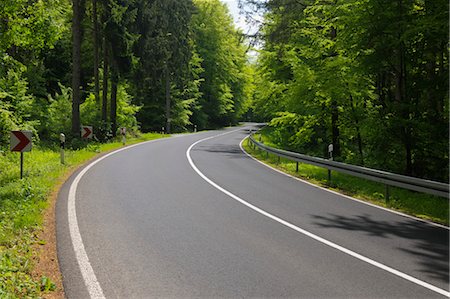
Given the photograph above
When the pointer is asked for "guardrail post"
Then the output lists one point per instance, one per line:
(267, 155)
(386, 193)
(329, 175)
(279, 159)
(296, 166)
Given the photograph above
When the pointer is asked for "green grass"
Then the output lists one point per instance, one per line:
(413, 203)
(22, 203)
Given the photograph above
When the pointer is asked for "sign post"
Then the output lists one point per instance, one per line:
(330, 154)
(123, 132)
(62, 139)
(21, 142)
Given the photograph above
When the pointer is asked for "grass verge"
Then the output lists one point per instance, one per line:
(417, 204)
(22, 205)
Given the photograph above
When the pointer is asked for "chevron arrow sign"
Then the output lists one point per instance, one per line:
(21, 141)
(86, 132)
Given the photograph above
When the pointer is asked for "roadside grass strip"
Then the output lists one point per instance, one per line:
(22, 205)
(420, 205)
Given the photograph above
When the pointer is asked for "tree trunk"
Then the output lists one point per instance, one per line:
(335, 129)
(358, 131)
(401, 97)
(167, 81)
(105, 82)
(334, 111)
(408, 150)
(96, 51)
(113, 112)
(76, 66)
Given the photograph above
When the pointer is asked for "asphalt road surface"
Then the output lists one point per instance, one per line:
(193, 216)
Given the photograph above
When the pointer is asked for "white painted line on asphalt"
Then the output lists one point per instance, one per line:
(89, 277)
(343, 195)
(90, 280)
(307, 233)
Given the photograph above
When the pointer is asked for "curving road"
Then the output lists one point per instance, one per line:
(193, 216)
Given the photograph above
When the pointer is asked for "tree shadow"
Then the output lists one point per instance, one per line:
(430, 246)
(233, 151)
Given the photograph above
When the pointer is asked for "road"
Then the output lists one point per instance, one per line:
(194, 216)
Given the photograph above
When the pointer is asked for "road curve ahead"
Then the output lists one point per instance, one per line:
(194, 216)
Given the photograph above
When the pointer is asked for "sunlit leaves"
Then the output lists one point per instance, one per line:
(224, 63)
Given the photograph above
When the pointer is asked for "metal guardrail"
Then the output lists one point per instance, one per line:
(387, 178)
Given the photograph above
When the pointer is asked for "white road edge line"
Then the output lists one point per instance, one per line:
(90, 280)
(343, 195)
(307, 233)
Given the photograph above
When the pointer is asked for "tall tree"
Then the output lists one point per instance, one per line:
(78, 11)
(164, 29)
(96, 51)
(223, 59)
(370, 83)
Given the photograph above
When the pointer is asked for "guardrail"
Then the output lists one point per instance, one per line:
(387, 178)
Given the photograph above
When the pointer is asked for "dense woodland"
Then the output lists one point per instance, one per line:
(138, 64)
(368, 76)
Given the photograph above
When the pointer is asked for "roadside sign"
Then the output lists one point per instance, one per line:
(62, 140)
(21, 141)
(123, 131)
(87, 132)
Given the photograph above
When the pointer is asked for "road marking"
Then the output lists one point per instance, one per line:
(87, 272)
(307, 233)
(343, 195)
(90, 280)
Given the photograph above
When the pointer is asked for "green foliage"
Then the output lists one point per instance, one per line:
(15, 101)
(28, 29)
(56, 118)
(164, 42)
(223, 60)
(126, 110)
(31, 24)
(369, 76)
(47, 285)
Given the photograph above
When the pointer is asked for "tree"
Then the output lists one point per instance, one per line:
(29, 30)
(365, 74)
(164, 52)
(77, 7)
(223, 59)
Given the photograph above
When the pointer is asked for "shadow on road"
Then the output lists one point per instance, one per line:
(231, 150)
(430, 244)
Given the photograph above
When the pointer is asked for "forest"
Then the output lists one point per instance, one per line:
(144, 65)
(368, 76)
